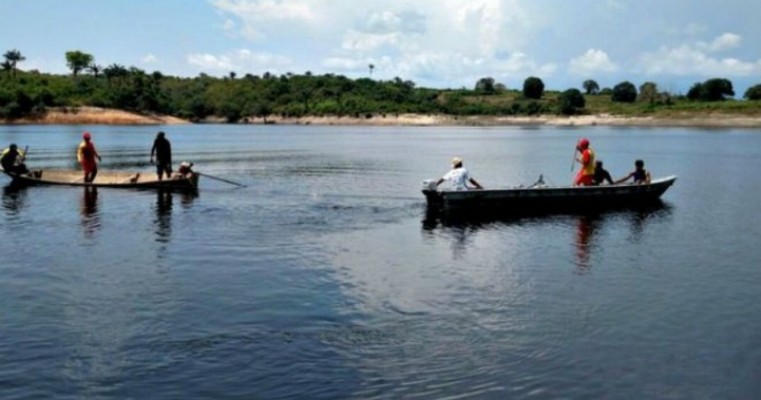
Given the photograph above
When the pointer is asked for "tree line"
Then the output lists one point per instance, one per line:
(233, 98)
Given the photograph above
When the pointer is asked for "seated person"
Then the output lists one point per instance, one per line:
(601, 174)
(184, 171)
(458, 176)
(639, 176)
(12, 160)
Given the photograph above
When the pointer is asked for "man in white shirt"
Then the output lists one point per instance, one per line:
(458, 176)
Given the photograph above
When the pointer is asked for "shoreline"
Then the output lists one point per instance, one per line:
(707, 121)
(102, 116)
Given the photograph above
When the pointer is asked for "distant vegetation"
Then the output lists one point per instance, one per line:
(235, 99)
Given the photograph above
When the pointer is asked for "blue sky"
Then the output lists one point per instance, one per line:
(435, 43)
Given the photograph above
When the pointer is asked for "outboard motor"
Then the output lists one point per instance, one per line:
(432, 196)
(429, 185)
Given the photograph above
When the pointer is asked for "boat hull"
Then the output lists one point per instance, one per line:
(546, 199)
(106, 179)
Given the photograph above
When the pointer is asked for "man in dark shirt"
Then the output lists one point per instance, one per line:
(163, 151)
(601, 174)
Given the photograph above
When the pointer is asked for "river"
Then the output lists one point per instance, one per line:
(324, 277)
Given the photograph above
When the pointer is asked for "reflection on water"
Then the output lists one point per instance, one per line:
(163, 219)
(89, 211)
(586, 227)
(13, 199)
(163, 209)
(585, 241)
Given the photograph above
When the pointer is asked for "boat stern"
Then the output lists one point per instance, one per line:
(432, 196)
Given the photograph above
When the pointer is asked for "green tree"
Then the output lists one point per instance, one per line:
(753, 92)
(648, 92)
(716, 89)
(13, 57)
(77, 61)
(695, 92)
(570, 101)
(94, 69)
(711, 90)
(591, 87)
(624, 92)
(485, 85)
(533, 88)
(7, 67)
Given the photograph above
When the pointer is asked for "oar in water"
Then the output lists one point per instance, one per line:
(221, 179)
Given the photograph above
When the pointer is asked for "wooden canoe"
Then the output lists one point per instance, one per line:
(110, 179)
(545, 198)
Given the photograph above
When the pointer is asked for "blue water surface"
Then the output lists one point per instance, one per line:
(325, 277)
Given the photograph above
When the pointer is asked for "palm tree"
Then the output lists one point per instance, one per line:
(95, 69)
(13, 57)
(372, 67)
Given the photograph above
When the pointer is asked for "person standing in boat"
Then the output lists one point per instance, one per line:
(585, 177)
(459, 177)
(86, 155)
(640, 175)
(163, 151)
(12, 160)
(601, 174)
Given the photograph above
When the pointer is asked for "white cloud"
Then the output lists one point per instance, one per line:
(258, 15)
(364, 42)
(724, 42)
(689, 60)
(149, 59)
(592, 62)
(240, 61)
(449, 43)
(385, 21)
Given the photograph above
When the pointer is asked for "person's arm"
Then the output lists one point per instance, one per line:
(153, 151)
(96, 152)
(647, 177)
(476, 184)
(608, 178)
(624, 179)
(80, 149)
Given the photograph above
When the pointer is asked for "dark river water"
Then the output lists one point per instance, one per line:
(324, 277)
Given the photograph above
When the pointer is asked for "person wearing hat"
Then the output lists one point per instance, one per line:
(163, 151)
(586, 175)
(459, 176)
(12, 160)
(86, 155)
(185, 170)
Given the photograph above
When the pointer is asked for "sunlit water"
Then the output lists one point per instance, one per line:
(325, 278)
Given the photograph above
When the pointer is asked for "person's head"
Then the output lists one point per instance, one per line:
(13, 147)
(160, 135)
(86, 136)
(456, 162)
(639, 164)
(583, 144)
(598, 164)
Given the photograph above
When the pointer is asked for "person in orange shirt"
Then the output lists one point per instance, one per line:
(586, 175)
(86, 155)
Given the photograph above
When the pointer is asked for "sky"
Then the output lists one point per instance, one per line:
(434, 43)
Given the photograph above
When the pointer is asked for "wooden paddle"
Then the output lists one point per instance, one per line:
(573, 159)
(221, 179)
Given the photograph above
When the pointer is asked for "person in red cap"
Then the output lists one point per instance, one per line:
(86, 155)
(586, 175)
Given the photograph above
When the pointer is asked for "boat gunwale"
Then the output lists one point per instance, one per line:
(184, 183)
